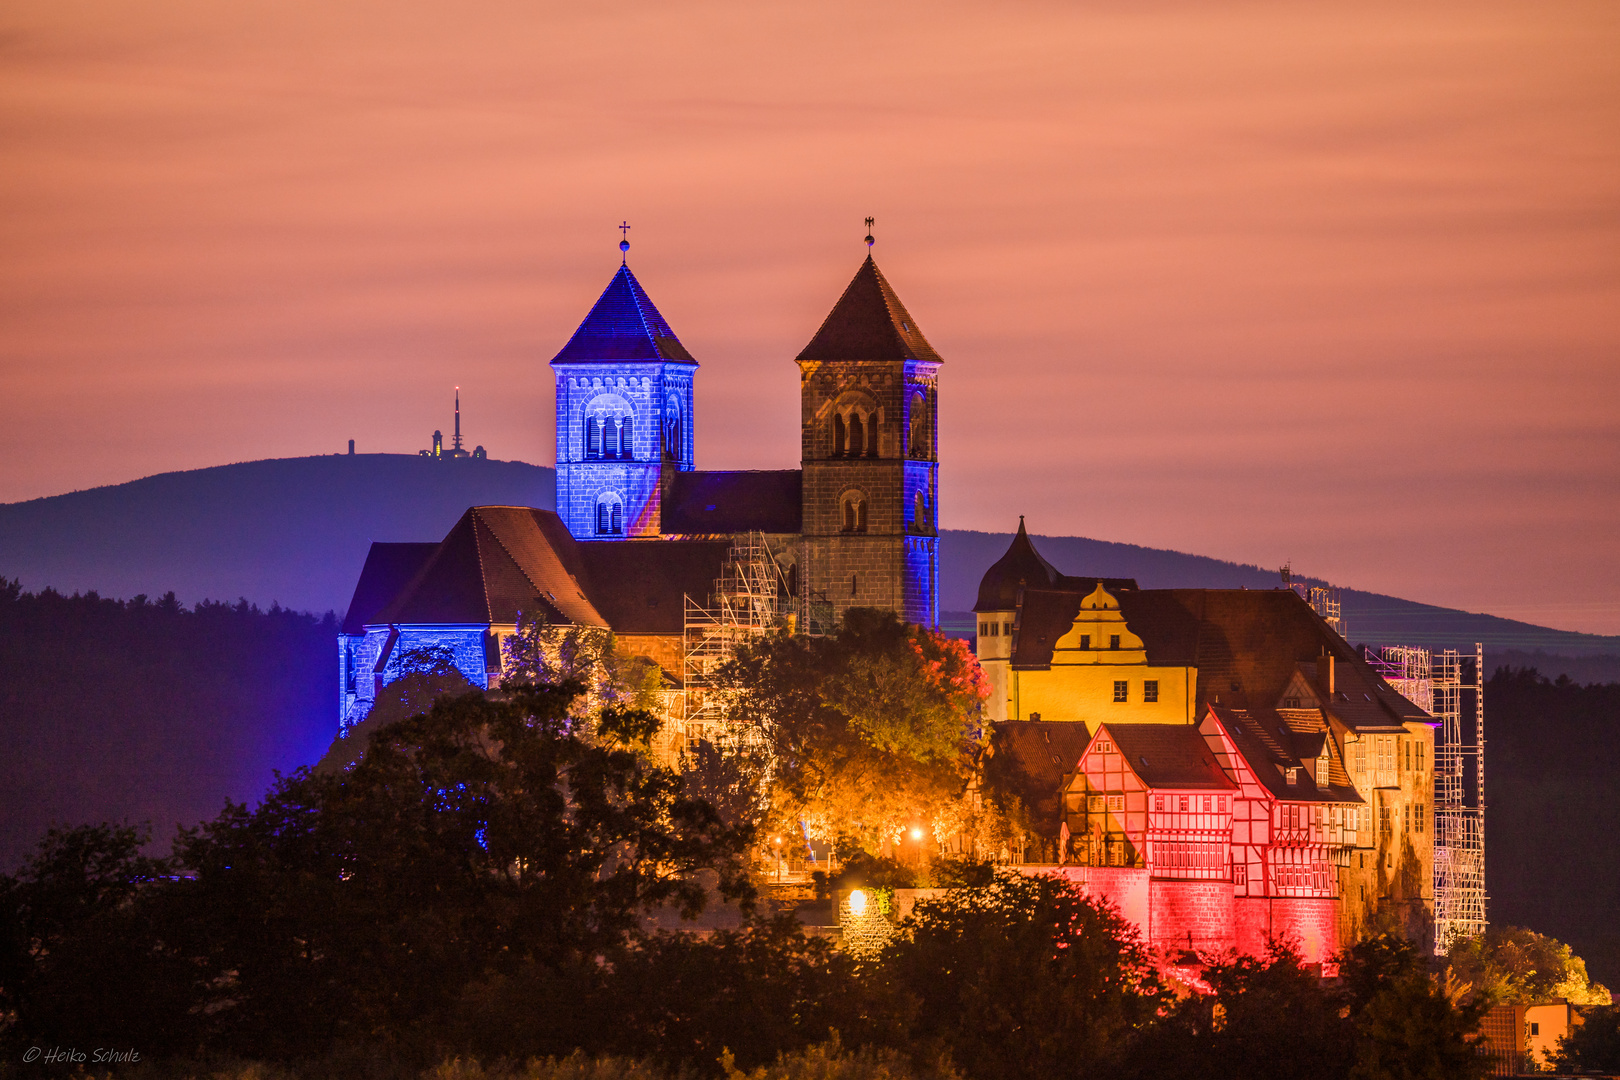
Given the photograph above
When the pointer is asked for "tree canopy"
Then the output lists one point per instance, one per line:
(871, 731)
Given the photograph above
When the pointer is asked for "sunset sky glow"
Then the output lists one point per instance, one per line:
(1336, 284)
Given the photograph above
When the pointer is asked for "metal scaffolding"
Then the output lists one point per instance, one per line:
(748, 601)
(1324, 599)
(1443, 685)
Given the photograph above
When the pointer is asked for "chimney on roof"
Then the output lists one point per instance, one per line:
(1324, 672)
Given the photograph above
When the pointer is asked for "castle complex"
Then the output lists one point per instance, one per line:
(1219, 763)
(639, 533)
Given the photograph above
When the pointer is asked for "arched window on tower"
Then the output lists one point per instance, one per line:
(922, 517)
(840, 435)
(857, 435)
(674, 450)
(610, 438)
(626, 447)
(609, 515)
(593, 438)
(854, 512)
(917, 432)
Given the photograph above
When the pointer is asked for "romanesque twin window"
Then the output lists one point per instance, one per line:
(853, 512)
(609, 438)
(673, 436)
(609, 516)
(854, 434)
(922, 516)
(917, 441)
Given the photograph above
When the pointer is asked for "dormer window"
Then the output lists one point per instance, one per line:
(1291, 776)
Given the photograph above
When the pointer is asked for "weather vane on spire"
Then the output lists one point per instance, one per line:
(624, 243)
(869, 233)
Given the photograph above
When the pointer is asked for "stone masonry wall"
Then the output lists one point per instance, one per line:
(1191, 915)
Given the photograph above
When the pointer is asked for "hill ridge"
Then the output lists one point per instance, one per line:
(295, 531)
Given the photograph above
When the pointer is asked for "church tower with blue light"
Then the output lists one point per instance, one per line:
(624, 414)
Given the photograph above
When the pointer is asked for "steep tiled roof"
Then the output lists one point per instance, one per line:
(1021, 566)
(868, 323)
(709, 503)
(624, 325)
(1043, 752)
(639, 586)
(496, 562)
(1168, 756)
(1270, 747)
(389, 568)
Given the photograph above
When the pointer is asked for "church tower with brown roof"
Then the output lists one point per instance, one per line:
(869, 391)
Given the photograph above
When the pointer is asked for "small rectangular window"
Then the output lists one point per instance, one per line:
(1223, 804)
(1113, 641)
(1116, 802)
(1209, 803)
(1122, 690)
(1150, 690)
(1184, 804)
(1006, 629)
(1158, 802)
(1085, 641)
(1419, 817)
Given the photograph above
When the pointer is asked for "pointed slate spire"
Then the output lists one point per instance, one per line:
(869, 323)
(624, 325)
(1021, 566)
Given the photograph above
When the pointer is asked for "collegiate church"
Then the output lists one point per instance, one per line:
(638, 529)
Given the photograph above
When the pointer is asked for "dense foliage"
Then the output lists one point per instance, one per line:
(149, 710)
(871, 731)
(1511, 965)
(482, 842)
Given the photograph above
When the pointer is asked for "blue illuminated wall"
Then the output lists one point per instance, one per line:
(653, 401)
(470, 647)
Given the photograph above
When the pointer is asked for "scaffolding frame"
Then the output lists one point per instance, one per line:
(1324, 599)
(1439, 683)
(747, 602)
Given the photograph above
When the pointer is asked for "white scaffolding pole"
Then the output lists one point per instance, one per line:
(1435, 681)
(747, 602)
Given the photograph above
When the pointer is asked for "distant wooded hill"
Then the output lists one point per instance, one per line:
(295, 531)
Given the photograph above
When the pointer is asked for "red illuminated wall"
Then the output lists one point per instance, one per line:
(1199, 912)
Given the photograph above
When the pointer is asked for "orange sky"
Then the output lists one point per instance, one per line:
(1333, 283)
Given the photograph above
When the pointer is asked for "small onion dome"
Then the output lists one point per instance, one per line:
(1022, 565)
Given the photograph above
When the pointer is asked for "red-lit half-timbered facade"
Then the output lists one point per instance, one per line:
(1207, 841)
